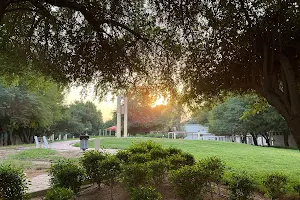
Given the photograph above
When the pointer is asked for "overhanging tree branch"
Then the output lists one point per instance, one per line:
(90, 17)
(19, 9)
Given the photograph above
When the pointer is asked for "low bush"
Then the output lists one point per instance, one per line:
(123, 155)
(140, 158)
(241, 187)
(180, 136)
(143, 147)
(214, 170)
(296, 188)
(158, 153)
(177, 161)
(68, 174)
(153, 135)
(275, 185)
(145, 193)
(110, 169)
(189, 158)
(172, 151)
(135, 175)
(90, 162)
(189, 182)
(159, 170)
(59, 193)
(156, 135)
(13, 184)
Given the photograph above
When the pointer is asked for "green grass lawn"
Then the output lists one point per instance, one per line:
(24, 159)
(35, 154)
(258, 161)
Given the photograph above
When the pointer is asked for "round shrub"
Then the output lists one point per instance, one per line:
(214, 168)
(173, 151)
(134, 175)
(176, 161)
(159, 170)
(90, 162)
(189, 181)
(13, 184)
(296, 187)
(68, 174)
(145, 193)
(123, 155)
(158, 153)
(241, 187)
(189, 158)
(59, 193)
(140, 158)
(275, 185)
(110, 168)
(143, 147)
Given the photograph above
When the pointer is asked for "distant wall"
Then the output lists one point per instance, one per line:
(278, 140)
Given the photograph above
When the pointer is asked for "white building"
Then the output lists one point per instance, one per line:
(192, 131)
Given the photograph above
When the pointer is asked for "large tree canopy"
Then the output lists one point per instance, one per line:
(236, 116)
(242, 46)
(79, 118)
(229, 45)
(112, 43)
(25, 113)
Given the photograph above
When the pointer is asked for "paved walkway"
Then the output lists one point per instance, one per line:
(39, 183)
(42, 182)
(68, 146)
(65, 145)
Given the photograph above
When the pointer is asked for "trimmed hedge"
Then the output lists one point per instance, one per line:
(59, 193)
(90, 162)
(67, 174)
(13, 183)
(145, 193)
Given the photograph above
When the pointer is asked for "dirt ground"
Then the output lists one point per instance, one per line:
(168, 193)
(5, 152)
(120, 193)
(42, 166)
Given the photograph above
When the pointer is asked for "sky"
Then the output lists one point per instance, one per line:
(106, 106)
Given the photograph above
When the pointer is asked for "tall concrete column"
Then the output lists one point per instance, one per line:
(119, 116)
(125, 116)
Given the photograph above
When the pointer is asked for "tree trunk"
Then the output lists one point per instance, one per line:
(244, 139)
(295, 130)
(267, 138)
(280, 88)
(254, 136)
(1, 139)
(4, 138)
(25, 136)
(3, 6)
(1, 136)
(286, 138)
(9, 138)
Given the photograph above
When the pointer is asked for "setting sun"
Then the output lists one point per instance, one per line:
(159, 101)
